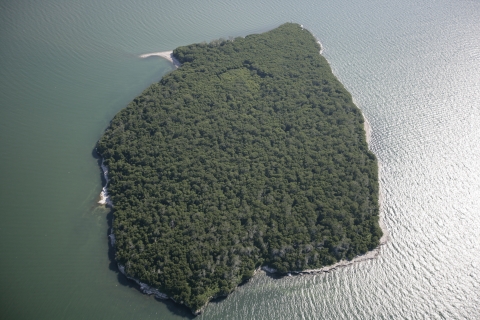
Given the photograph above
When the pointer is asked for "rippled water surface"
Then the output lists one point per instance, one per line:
(413, 67)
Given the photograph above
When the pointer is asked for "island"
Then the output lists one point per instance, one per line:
(250, 155)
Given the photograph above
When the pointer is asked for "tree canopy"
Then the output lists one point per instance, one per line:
(250, 154)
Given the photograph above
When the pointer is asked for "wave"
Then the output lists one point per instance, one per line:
(104, 197)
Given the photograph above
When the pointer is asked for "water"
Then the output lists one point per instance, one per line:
(413, 67)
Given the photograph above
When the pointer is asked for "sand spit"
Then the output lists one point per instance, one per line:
(165, 55)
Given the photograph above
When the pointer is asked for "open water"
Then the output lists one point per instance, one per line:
(413, 67)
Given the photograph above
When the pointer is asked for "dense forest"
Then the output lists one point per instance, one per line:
(250, 154)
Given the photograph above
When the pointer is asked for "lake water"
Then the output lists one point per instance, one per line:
(413, 67)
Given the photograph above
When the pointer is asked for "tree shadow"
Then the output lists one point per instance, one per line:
(97, 157)
(275, 276)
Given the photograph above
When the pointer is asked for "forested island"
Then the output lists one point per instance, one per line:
(250, 154)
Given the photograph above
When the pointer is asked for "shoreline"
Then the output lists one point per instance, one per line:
(368, 129)
(369, 255)
(144, 288)
(168, 55)
(147, 289)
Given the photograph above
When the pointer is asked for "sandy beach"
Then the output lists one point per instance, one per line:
(165, 55)
(368, 129)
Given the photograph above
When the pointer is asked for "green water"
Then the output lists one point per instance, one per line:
(58, 93)
(67, 68)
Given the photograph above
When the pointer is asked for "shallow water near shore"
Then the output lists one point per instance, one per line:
(412, 67)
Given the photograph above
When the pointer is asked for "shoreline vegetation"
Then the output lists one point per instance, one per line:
(162, 233)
